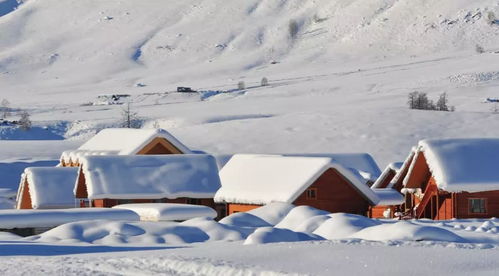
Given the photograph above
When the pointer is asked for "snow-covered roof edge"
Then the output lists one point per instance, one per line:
(348, 174)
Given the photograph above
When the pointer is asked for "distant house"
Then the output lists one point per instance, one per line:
(125, 141)
(453, 178)
(106, 181)
(250, 181)
(47, 188)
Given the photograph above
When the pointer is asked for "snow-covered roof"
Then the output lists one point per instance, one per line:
(121, 141)
(262, 179)
(359, 163)
(168, 211)
(388, 196)
(150, 176)
(49, 187)
(457, 165)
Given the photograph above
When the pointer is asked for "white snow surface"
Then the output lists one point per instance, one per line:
(301, 223)
(121, 141)
(168, 211)
(470, 165)
(262, 179)
(50, 218)
(49, 188)
(151, 176)
(388, 196)
(329, 243)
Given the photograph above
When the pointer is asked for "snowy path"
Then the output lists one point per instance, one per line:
(313, 258)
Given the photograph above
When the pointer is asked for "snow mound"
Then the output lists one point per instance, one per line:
(406, 231)
(271, 235)
(268, 215)
(298, 216)
(168, 211)
(341, 226)
(10, 219)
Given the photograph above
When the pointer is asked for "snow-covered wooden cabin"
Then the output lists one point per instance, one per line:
(324, 182)
(106, 181)
(453, 178)
(47, 188)
(125, 141)
(391, 200)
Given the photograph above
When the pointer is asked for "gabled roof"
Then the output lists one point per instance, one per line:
(49, 187)
(261, 179)
(457, 165)
(121, 141)
(149, 176)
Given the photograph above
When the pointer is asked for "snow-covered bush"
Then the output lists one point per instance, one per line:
(293, 28)
(241, 85)
(264, 81)
(25, 121)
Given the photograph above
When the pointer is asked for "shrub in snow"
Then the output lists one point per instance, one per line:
(5, 105)
(25, 121)
(479, 49)
(420, 100)
(293, 28)
(264, 81)
(244, 220)
(241, 85)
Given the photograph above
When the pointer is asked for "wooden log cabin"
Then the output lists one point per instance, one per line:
(106, 181)
(250, 181)
(125, 141)
(453, 178)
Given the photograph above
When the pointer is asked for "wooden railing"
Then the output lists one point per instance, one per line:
(430, 191)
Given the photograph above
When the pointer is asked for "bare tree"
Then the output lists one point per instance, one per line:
(130, 118)
(412, 100)
(293, 28)
(25, 121)
(264, 82)
(5, 105)
(442, 102)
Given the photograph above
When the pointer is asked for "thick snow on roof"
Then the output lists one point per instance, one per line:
(50, 187)
(388, 196)
(169, 211)
(359, 163)
(470, 165)
(121, 141)
(151, 176)
(261, 179)
(49, 218)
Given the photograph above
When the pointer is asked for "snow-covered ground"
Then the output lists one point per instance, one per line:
(278, 239)
(339, 76)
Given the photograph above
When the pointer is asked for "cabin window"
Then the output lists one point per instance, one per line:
(477, 205)
(311, 193)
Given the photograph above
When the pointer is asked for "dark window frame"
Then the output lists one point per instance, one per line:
(482, 211)
(311, 193)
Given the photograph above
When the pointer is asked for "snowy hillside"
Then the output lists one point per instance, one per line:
(339, 71)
